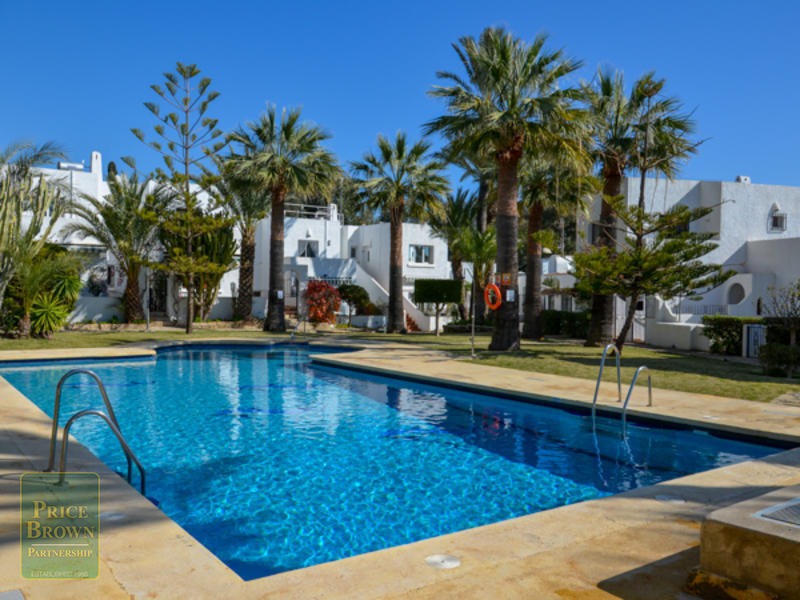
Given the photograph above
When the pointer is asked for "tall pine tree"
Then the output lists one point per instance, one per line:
(186, 139)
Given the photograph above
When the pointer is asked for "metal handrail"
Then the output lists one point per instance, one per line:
(600, 376)
(630, 391)
(56, 408)
(128, 452)
(296, 327)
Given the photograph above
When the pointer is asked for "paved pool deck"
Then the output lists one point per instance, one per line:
(636, 545)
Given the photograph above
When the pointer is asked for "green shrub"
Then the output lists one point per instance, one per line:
(725, 332)
(779, 359)
(437, 291)
(370, 310)
(355, 296)
(49, 313)
(576, 324)
(776, 332)
(564, 322)
(551, 322)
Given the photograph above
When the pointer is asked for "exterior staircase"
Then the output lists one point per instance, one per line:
(411, 324)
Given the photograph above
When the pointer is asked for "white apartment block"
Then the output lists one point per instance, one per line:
(757, 231)
(318, 245)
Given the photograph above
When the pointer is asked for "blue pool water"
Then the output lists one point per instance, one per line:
(274, 464)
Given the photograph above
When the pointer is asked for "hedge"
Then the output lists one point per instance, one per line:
(438, 291)
(779, 359)
(725, 332)
(564, 322)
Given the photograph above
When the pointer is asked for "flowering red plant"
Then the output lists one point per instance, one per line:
(322, 300)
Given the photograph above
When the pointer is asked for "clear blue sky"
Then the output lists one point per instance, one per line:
(78, 72)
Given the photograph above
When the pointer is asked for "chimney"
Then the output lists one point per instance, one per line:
(97, 164)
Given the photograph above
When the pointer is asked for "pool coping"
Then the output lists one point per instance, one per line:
(141, 562)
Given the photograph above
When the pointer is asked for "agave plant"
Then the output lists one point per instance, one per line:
(48, 314)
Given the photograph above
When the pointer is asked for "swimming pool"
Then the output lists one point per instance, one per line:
(274, 464)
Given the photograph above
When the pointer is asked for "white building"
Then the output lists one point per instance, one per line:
(757, 232)
(318, 245)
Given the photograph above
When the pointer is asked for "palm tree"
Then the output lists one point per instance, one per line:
(510, 94)
(247, 205)
(119, 222)
(619, 121)
(480, 248)
(401, 182)
(17, 159)
(280, 156)
(564, 185)
(450, 225)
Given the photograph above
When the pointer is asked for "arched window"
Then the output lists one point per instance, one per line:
(736, 293)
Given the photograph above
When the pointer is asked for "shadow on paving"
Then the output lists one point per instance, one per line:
(24, 453)
(664, 578)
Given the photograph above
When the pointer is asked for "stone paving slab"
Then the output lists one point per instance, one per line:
(640, 544)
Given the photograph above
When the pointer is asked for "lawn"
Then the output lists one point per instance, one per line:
(670, 370)
(102, 339)
(686, 373)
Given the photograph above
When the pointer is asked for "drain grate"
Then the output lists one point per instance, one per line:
(788, 512)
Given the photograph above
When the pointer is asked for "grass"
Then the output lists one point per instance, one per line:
(670, 370)
(674, 371)
(103, 339)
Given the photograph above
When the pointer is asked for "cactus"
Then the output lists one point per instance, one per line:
(21, 236)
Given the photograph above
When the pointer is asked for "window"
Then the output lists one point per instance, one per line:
(308, 248)
(680, 228)
(778, 221)
(420, 254)
(736, 293)
(566, 303)
(352, 251)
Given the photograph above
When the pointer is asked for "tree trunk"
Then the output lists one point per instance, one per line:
(134, 310)
(189, 292)
(24, 326)
(601, 325)
(276, 318)
(479, 308)
(506, 322)
(437, 308)
(244, 295)
(626, 327)
(396, 270)
(532, 328)
(458, 275)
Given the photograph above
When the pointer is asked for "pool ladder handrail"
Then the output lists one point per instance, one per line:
(630, 391)
(112, 417)
(114, 429)
(296, 327)
(600, 375)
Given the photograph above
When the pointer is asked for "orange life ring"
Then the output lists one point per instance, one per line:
(498, 298)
